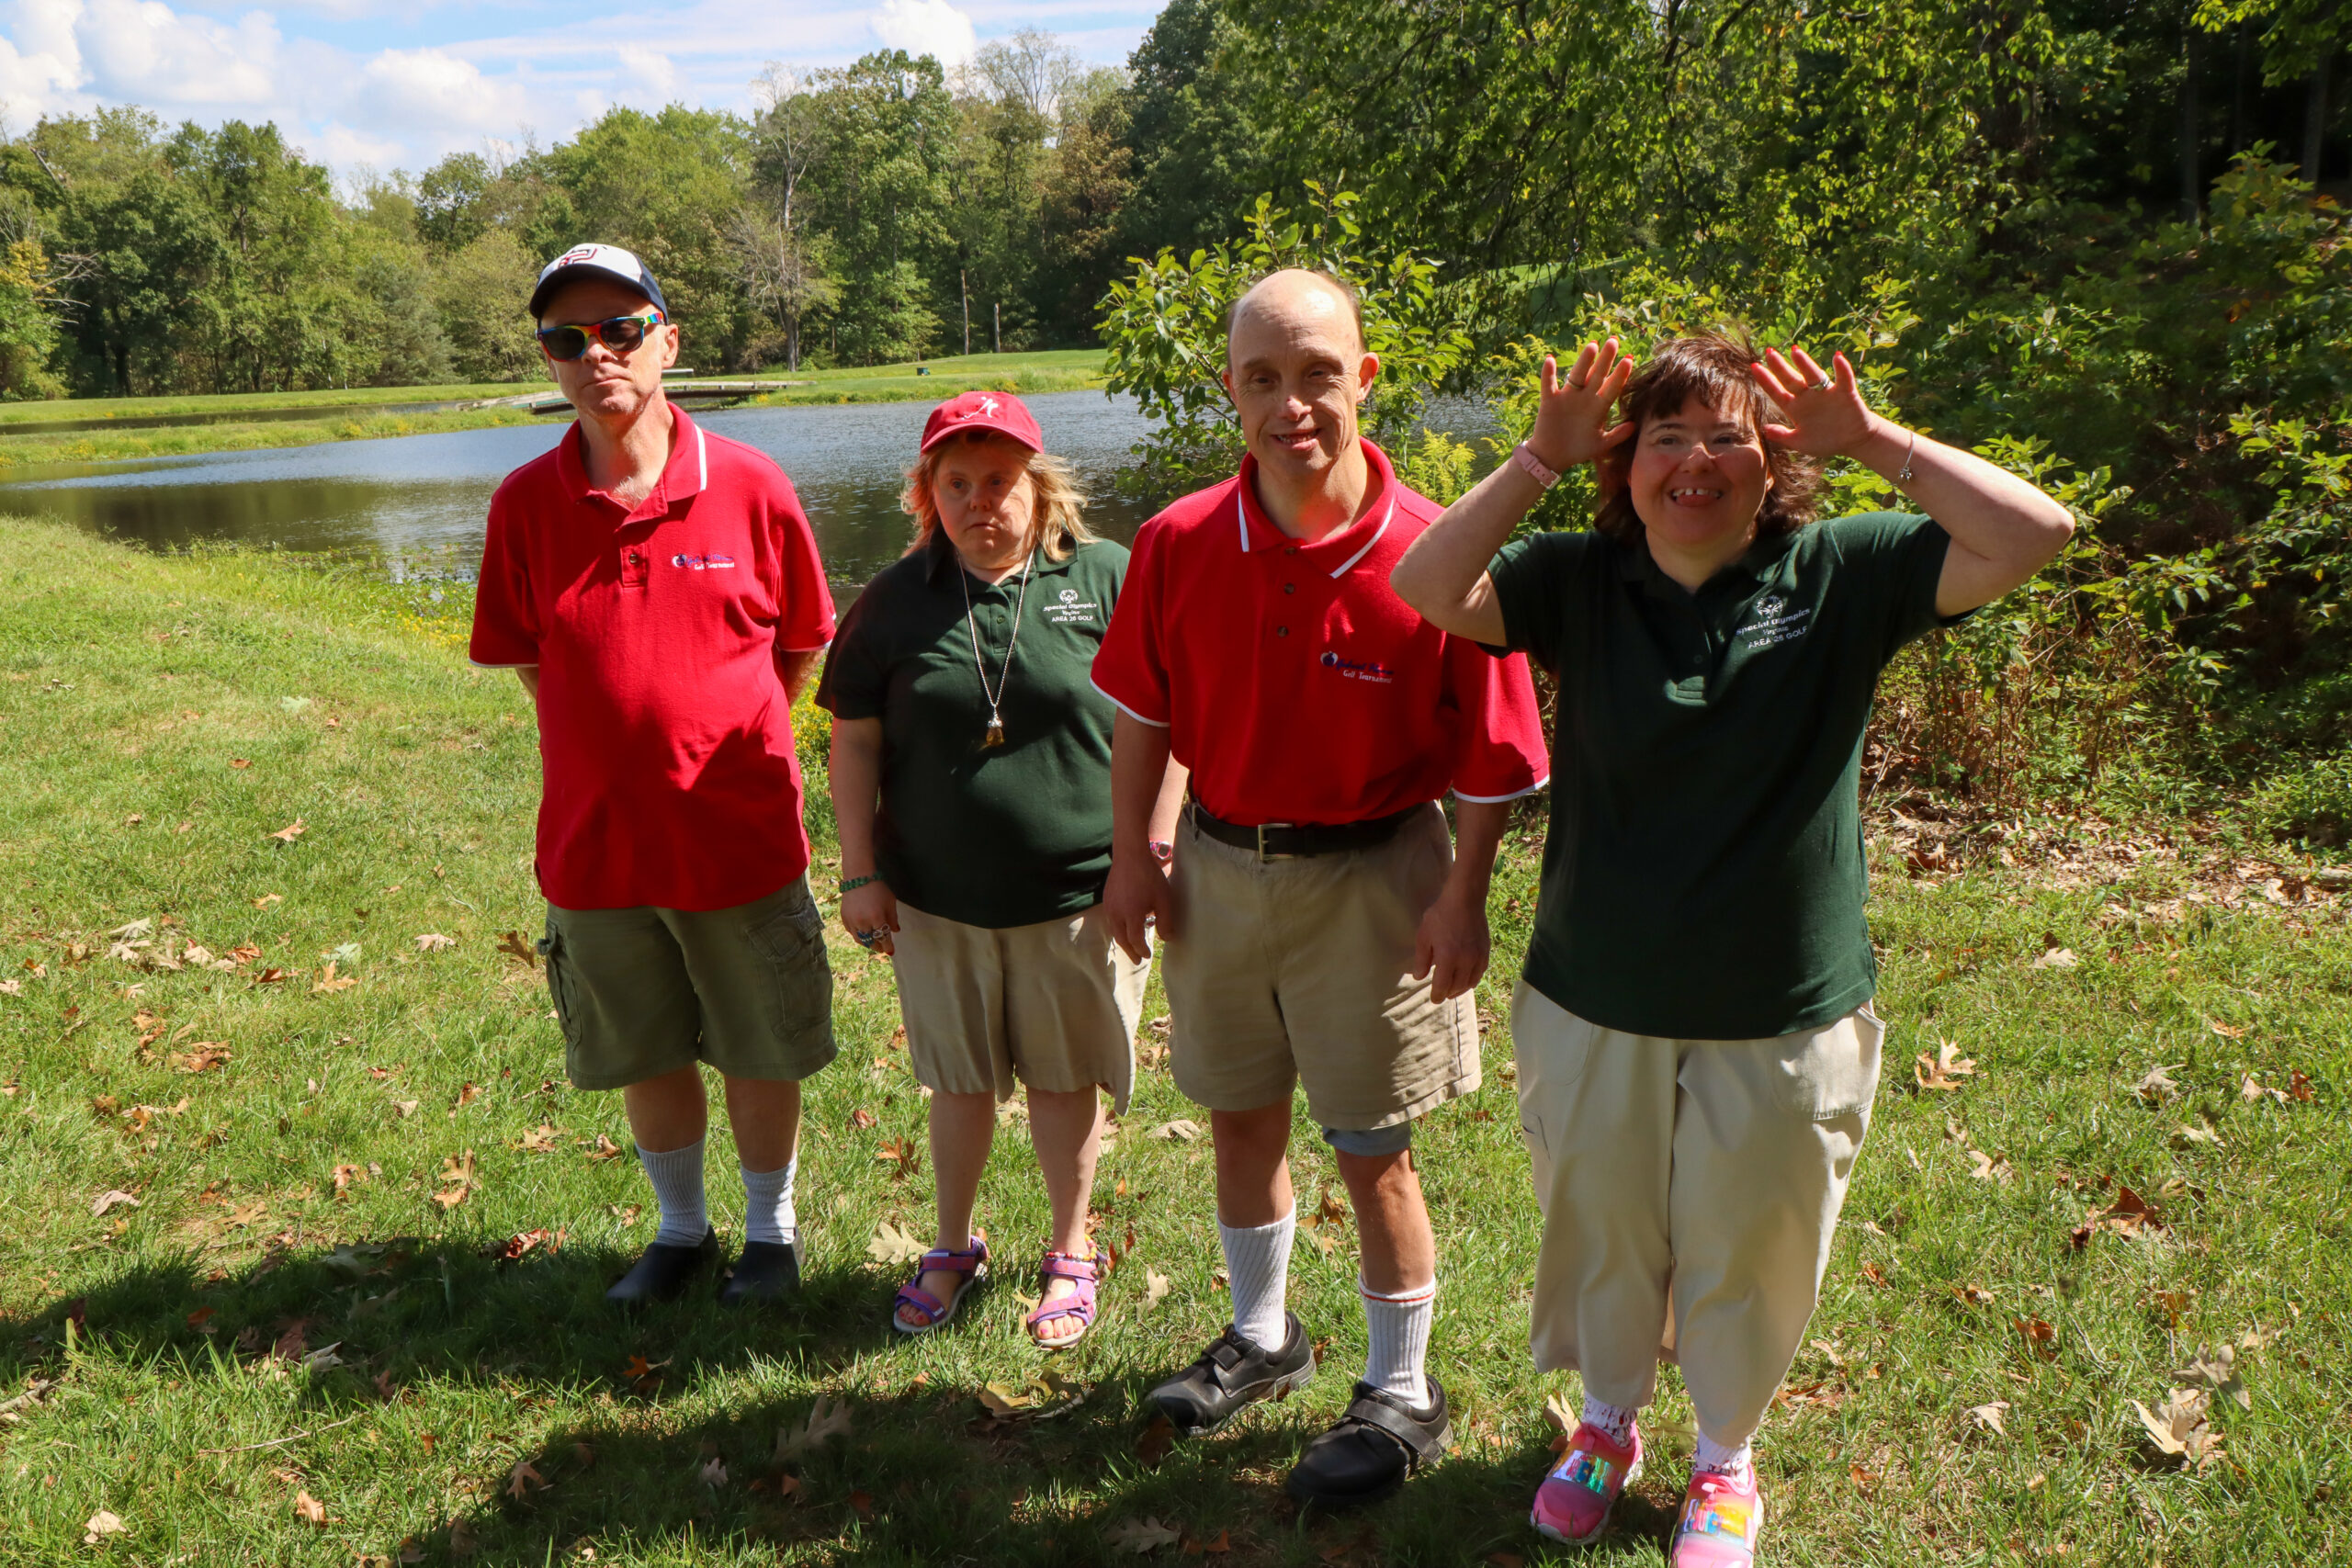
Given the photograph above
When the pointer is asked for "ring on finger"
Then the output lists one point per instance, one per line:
(1823, 384)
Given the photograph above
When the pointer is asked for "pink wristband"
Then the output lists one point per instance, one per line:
(1532, 467)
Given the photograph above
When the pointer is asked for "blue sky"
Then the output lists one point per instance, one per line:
(395, 84)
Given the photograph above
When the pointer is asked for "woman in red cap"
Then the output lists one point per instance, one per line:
(971, 778)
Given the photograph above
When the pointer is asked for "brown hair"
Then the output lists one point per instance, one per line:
(1056, 511)
(1713, 368)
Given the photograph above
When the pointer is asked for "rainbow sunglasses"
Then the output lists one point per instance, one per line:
(620, 334)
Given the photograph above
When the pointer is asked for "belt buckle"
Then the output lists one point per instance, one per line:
(1263, 856)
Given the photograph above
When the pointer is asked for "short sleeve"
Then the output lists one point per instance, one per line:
(506, 620)
(858, 668)
(1503, 755)
(803, 599)
(1530, 578)
(1131, 667)
(1897, 561)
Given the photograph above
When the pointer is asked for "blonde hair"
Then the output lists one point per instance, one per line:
(1054, 511)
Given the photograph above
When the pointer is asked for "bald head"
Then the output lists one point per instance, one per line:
(1293, 302)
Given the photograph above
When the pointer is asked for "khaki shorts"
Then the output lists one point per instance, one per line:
(1053, 1005)
(1690, 1190)
(1298, 971)
(643, 992)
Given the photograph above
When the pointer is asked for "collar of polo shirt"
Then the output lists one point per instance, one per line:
(1380, 503)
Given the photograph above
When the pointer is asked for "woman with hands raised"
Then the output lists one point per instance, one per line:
(1696, 1056)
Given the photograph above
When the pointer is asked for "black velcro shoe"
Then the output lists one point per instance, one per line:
(767, 1272)
(664, 1272)
(1232, 1373)
(1376, 1445)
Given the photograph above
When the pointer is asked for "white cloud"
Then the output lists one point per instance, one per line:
(144, 51)
(927, 26)
(646, 75)
(414, 89)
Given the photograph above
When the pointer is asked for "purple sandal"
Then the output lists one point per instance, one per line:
(1084, 1273)
(972, 1263)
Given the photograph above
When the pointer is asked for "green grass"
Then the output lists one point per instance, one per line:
(131, 685)
(358, 413)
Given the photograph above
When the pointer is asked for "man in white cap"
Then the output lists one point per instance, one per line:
(657, 589)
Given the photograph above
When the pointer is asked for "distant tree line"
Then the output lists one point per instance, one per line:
(868, 213)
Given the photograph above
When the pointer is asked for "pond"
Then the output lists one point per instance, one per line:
(418, 501)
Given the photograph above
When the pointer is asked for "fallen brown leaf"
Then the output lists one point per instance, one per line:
(827, 1418)
(514, 946)
(1139, 1535)
(434, 941)
(291, 831)
(310, 1510)
(1944, 1069)
(1155, 1440)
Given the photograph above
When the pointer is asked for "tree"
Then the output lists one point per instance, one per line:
(484, 295)
(783, 270)
(879, 194)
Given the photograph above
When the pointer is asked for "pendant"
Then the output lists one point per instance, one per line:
(996, 732)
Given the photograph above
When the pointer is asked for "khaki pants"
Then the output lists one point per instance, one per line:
(1689, 1189)
(1291, 972)
(1052, 1005)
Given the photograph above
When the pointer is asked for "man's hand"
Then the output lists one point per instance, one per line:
(873, 908)
(1137, 895)
(1453, 945)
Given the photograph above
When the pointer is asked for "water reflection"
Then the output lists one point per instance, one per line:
(419, 500)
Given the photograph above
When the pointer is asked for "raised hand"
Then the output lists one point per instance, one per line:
(1571, 417)
(1826, 412)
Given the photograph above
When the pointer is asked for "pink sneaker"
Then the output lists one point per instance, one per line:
(1573, 1504)
(1721, 1520)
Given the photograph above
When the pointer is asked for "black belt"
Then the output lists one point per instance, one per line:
(1284, 841)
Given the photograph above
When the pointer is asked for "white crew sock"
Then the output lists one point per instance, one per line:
(1731, 1463)
(1256, 1263)
(767, 1205)
(677, 1187)
(1612, 1421)
(1397, 1325)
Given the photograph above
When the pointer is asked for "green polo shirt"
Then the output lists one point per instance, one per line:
(1703, 875)
(994, 836)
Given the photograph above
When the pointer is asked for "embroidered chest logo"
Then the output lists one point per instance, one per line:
(704, 563)
(1772, 621)
(1069, 610)
(1369, 669)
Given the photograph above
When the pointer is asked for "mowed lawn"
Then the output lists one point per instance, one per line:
(346, 1307)
(29, 433)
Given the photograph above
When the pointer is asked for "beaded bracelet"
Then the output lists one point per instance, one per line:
(854, 883)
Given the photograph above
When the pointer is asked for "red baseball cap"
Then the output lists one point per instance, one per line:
(996, 413)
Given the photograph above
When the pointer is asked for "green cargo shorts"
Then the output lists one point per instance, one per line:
(643, 992)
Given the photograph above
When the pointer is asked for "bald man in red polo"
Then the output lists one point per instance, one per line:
(1320, 928)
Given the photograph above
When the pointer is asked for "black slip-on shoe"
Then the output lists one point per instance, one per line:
(766, 1271)
(1367, 1456)
(662, 1273)
(1231, 1375)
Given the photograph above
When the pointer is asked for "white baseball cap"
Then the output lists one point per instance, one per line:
(600, 261)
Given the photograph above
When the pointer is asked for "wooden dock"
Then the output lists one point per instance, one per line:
(681, 390)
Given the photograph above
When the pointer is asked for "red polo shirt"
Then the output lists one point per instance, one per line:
(1293, 681)
(665, 737)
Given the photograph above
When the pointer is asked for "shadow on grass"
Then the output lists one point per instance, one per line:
(922, 1476)
(925, 1477)
(404, 1309)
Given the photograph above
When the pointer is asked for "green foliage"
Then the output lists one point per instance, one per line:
(1165, 329)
